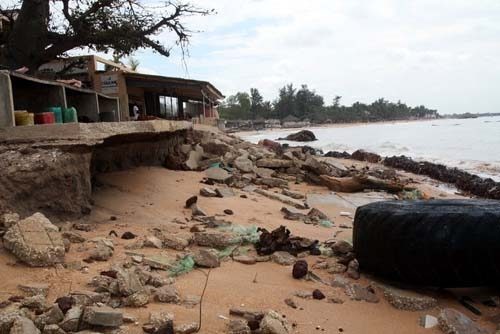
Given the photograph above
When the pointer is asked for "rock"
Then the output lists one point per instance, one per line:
(452, 321)
(194, 158)
(271, 145)
(153, 242)
(190, 201)
(158, 262)
(6, 321)
(283, 258)
(175, 241)
(336, 268)
(207, 258)
(292, 194)
(72, 319)
(35, 241)
(317, 214)
(196, 211)
(300, 269)
(291, 302)
(36, 303)
(228, 212)
(246, 314)
(217, 174)
(128, 235)
(82, 227)
(34, 289)
(207, 192)
(362, 155)
(274, 323)
(217, 240)
(22, 325)
(73, 237)
(65, 303)
(238, 326)
(317, 294)
(224, 192)
(428, 321)
(191, 301)
(161, 322)
(264, 172)
(274, 163)
(53, 329)
(282, 198)
(52, 316)
(102, 251)
(137, 299)
(245, 259)
(188, 328)
(353, 269)
(128, 281)
(102, 316)
(243, 164)
(167, 294)
(293, 215)
(8, 219)
(407, 300)
(272, 182)
(318, 168)
(303, 135)
(360, 293)
(342, 247)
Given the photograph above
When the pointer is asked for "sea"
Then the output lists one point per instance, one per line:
(469, 144)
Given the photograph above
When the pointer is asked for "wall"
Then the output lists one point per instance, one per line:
(6, 103)
(85, 103)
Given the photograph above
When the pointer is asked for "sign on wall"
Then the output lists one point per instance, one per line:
(109, 84)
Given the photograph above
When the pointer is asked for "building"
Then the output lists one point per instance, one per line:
(155, 96)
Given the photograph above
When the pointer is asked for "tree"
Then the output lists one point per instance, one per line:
(45, 29)
(257, 101)
(307, 102)
(236, 107)
(133, 63)
(285, 104)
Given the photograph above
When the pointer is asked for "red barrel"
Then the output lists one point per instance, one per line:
(45, 118)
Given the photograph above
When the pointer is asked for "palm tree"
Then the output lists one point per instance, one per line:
(133, 63)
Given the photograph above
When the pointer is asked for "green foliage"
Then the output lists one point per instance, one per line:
(307, 104)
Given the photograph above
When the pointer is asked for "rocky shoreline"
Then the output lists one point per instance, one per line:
(228, 239)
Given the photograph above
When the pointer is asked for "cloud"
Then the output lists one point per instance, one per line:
(439, 53)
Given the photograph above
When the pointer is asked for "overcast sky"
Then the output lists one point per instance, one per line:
(444, 54)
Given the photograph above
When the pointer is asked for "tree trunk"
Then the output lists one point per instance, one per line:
(29, 37)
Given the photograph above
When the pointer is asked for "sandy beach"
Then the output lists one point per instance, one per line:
(148, 198)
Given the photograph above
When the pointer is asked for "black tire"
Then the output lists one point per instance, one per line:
(443, 243)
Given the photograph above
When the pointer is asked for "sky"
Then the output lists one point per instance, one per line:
(444, 54)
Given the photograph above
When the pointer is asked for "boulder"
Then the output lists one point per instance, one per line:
(207, 258)
(35, 241)
(103, 250)
(22, 325)
(217, 174)
(362, 155)
(102, 316)
(300, 269)
(342, 247)
(53, 329)
(274, 323)
(52, 316)
(303, 135)
(274, 163)
(153, 242)
(175, 241)
(452, 321)
(167, 294)
(224, 192)
(71, 319)
(244, 164)
(194, 158)
(217, 240)
(138, 299)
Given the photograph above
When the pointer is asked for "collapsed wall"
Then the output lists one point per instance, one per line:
(54, 175)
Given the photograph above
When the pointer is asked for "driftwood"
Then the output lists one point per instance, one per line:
(359, 183)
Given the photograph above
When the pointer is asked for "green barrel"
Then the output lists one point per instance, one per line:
(69, 115)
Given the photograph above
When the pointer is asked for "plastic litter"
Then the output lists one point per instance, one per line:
(183, 266)
(326, 223)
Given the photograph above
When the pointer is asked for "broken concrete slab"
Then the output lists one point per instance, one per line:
(102, 316)
(167, 294)
(452, 321)
(407, 300)
(282, 198)
(264, 172)
(218, 175)
(274, 163)
(224, 192)
(244, 164)
(207, 192)
(292, 194)
(207, 258)
(217, 240)
(34, 289)
(35, 241)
